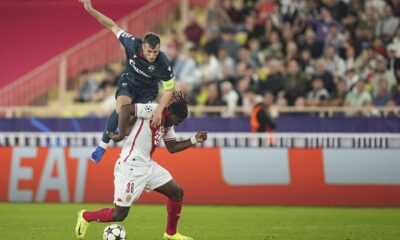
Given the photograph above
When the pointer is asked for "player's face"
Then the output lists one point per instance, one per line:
(150, 54)
(172, 120)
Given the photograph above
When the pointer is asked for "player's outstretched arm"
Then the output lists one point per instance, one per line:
(101, 18)
(123, 119)
(174, 146)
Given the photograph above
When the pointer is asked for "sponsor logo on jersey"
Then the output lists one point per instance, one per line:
(132, 63)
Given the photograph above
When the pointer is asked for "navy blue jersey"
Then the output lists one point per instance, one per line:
(138, 71)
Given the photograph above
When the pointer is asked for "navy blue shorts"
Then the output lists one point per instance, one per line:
(136, 93)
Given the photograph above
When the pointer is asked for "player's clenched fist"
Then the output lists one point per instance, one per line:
(201, 136)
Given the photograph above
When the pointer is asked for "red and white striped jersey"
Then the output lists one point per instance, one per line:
(143, 138)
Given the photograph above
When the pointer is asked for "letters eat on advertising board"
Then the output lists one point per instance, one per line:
(212, 176)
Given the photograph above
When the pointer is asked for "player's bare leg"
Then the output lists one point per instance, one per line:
(174, 206)
(117, 214)
(111, 126)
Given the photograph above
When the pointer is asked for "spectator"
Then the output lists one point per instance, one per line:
(252, 28)
(322, 25)
(87, 87)
(211, 40)
(188, 68)
(393, 62)
(209, 69)
(351, 78)
(395, 91)
(306, 62)
(230, 97)
(229, 43)
(318, 95)
(334, 38)
(396, 42)
(368, 18)
(193, 30)
(358, 97)
(350, 57)
(225, 60)
(274, 47)
(281, 99)
(381, 71)
(235, 16)
(274, 81)
(294, 82)
(320, 71)
(216, 15)
(339, 97)
(214, 98)
(291, 52)
(365, 63)
(392, 103)
(255, 52)
(384, 94)
(177, 60)
(338, 9)
(379, 46)
(312, 44)
(107, 87)
(335, 64)
(387, 25)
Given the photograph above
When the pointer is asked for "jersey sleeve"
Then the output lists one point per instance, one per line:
(144, 110)
(170, 135)
(168, 78)
(128, 41)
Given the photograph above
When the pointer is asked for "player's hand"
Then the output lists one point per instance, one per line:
(156, 116)
(201, 136)
(117, 137)
(87, 4)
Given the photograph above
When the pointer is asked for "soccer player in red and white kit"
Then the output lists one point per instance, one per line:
(136, 171)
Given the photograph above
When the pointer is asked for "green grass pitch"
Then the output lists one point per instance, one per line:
(147, 222)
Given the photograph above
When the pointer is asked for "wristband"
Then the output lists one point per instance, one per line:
(193, 140)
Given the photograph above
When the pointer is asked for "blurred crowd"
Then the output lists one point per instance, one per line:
(284, 53)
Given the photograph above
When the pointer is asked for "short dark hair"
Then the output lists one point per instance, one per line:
(178, 105)
(152, 39)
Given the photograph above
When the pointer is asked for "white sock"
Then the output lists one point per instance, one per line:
(103, 144)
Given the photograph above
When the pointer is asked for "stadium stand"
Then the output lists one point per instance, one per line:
(312, 56)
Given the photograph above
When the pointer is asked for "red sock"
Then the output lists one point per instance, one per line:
(174, 212)
(103, 215)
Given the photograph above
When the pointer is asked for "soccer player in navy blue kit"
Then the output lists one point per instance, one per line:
(146, 67)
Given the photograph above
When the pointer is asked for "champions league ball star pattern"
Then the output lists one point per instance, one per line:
(114, 232)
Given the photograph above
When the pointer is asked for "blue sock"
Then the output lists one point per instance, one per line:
(111, 126)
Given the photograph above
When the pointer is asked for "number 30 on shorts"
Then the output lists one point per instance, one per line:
(129, 187)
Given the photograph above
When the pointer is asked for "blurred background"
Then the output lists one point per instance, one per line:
(301, 98)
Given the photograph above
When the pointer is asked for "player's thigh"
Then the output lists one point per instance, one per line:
(123, 100)
(129, 183)
(159, 176)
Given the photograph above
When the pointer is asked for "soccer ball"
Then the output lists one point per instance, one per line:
(114, 232)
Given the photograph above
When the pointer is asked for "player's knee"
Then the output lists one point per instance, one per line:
(178, 194)
(120, 216)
